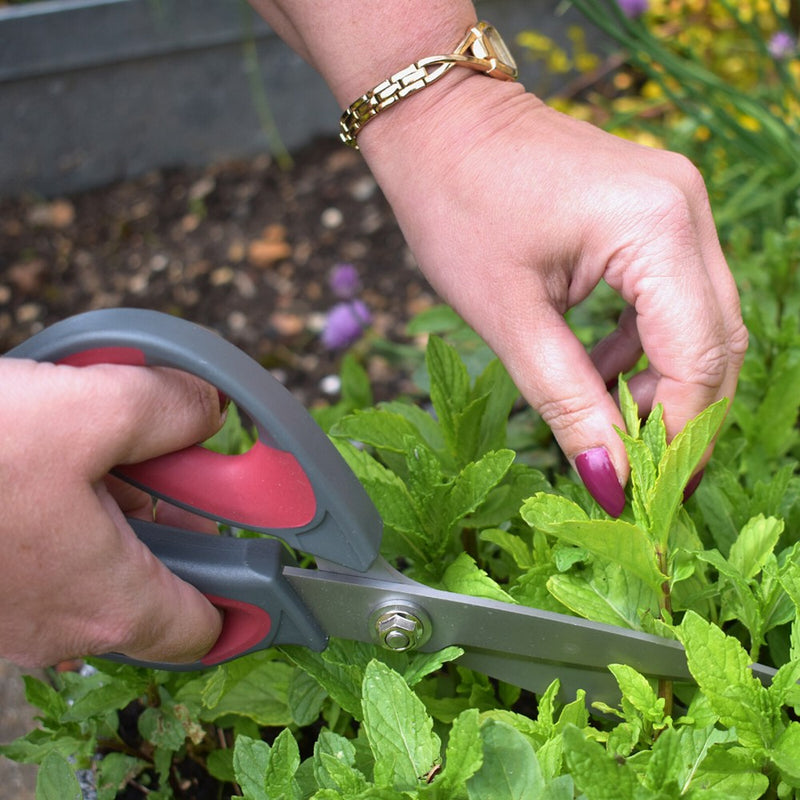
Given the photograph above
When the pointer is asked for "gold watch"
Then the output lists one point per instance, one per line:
(481, 49)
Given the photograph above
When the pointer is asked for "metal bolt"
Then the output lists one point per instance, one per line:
(400, 626)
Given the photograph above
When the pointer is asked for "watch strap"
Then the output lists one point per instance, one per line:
(482, 49)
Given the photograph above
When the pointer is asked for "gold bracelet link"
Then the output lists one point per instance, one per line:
(412, 79)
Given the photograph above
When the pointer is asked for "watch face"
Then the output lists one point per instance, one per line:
(499, 46)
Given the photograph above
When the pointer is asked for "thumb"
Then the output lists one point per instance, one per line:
(556, 375)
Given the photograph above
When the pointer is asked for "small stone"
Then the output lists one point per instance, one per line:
(262, 253)
(330, 385)
(363, 188)
(158, 263)
(28, 312)
(221, 276)
(331, 218)
(138, 283)
(57, 214)
(287, 324)
(26, 276)
(237, 321)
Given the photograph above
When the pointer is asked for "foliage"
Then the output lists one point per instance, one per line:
(701, 78)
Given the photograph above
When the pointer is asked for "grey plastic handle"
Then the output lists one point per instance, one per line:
(292, 484)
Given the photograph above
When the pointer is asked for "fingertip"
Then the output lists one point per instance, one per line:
(598, 474)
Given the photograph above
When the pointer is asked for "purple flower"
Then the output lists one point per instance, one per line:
(633, 8)
(782, 45)
(344, 281)
(345, 324)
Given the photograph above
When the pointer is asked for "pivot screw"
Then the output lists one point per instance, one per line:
(400, 626)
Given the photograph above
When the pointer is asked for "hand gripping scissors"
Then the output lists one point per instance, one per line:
(294, 485)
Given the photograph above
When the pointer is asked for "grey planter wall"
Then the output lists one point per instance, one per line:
(97, 90)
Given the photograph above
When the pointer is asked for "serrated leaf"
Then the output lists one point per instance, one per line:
(279, 782)
(784, 754)
(495, 384)
(305, 698)
(398, 728)
(597, 774)
(390, 495)
(115, 771)
(449, 386)
(612, 539)
(334, 764)
(637, 691)
(464, 753)
(754, 544)
(512, 544)
(256, 688)
(629, 409)
(56, 780)
(464, 576)
(605, 593)
(510, 769)
(719, 664)
(378, 428)
(473, 484)
(44, 697)
(679, 463)
(251, 759)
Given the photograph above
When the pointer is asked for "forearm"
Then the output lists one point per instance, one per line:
(354, 44)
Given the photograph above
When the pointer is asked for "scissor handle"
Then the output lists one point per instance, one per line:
(244, 579)
(292, 483)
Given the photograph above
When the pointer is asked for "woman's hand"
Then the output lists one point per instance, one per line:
(515, 213)
(75, 580)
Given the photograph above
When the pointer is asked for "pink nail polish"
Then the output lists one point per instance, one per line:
(598, 475)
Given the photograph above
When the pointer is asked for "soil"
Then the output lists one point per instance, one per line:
(245, 248)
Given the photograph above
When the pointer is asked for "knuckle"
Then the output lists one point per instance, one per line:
(564, 413)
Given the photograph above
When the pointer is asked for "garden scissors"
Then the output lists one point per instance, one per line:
(294, 485)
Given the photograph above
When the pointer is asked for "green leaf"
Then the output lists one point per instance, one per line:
(637, 691)
(629, 409)
(256, 687)
(597, 774)
(398, 728)
(678, 465)
(605, 593)
(512, 544)
(612, 539)
(378, 428)
(44, 697)
(305, 698)
(495, 384)
(719, 664)
(464, 576)
(464, 753)
(334, 764)
(115, 771)
(473, 484)
(284, 759)
(510, 769)
(56, 780)
(785, 754)
(251, 759)
(755, 543)
(449, 387)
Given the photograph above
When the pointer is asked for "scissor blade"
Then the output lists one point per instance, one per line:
(524, 646)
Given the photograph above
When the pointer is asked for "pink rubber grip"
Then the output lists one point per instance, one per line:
(245, 626)
(262, 488)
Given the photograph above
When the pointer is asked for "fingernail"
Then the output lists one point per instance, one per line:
(694, 482)
(598, 475)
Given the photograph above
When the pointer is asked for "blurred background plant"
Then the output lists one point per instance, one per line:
(714, 79)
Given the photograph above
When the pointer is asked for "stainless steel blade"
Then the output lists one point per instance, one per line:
(524, 646)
